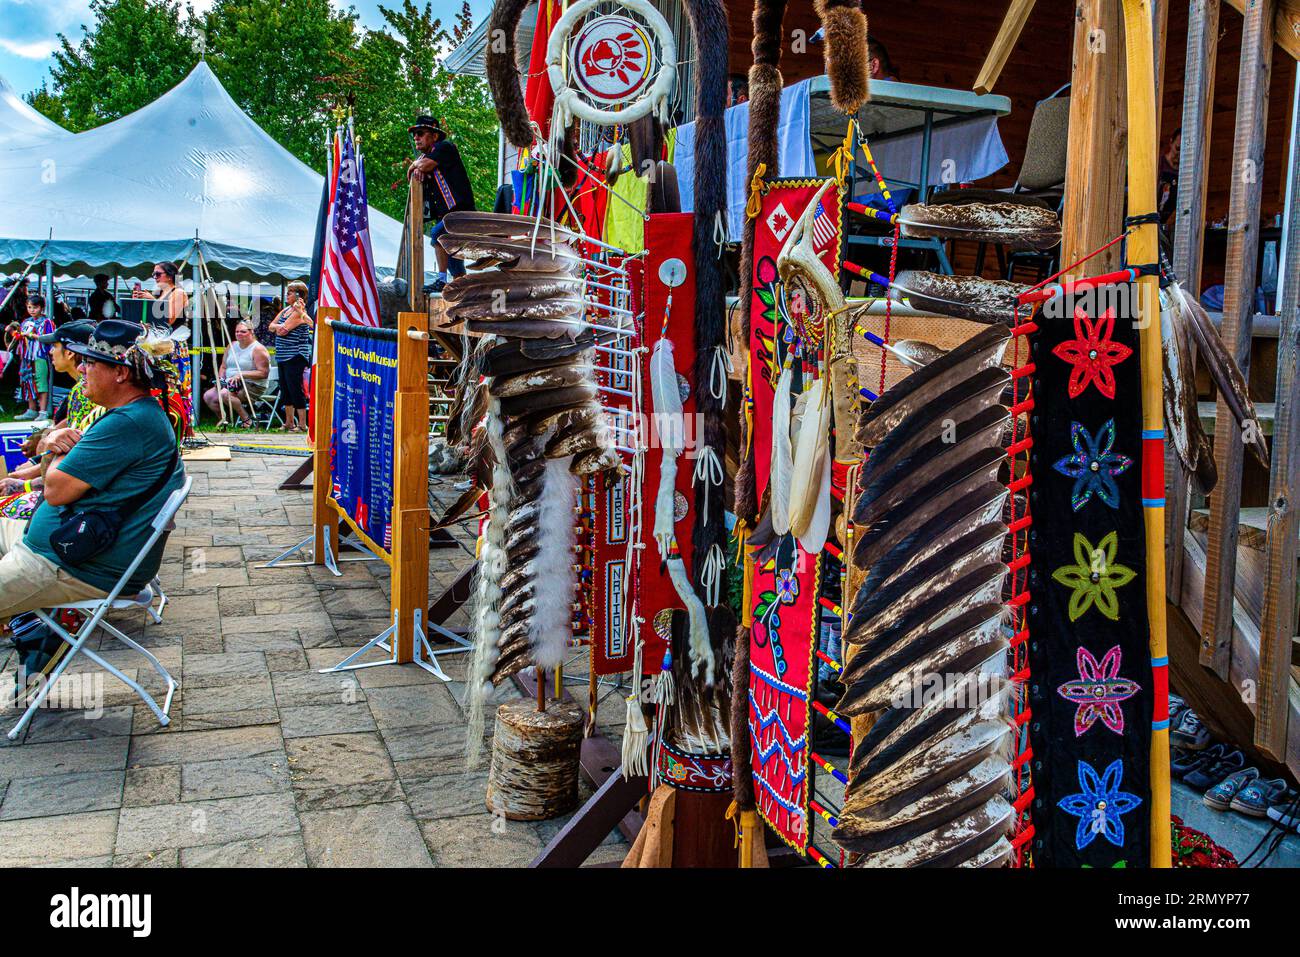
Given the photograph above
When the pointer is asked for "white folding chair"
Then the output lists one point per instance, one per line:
(96, 609)
(266, 407)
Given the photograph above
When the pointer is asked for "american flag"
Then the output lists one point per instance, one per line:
(823, 228)
(348, 266)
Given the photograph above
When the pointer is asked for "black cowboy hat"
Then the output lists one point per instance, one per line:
(109, 341)
(78, 332)
(426, 122)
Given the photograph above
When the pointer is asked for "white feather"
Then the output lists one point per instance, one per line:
(552, 622)
(814, 429)
(782, 459)
(814, 538)
(669, 428)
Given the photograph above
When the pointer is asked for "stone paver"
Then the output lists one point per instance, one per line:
(266, 762)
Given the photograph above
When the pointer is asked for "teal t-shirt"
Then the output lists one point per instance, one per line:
(119, 456)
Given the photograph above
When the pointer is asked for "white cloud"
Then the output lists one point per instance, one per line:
(35, 50)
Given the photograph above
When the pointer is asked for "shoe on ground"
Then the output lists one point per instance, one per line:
(27, 416)
(1210, 773)
(438, 285)
(1255, 798)
(1220, 797)
(1184, 761)
(1188, 732)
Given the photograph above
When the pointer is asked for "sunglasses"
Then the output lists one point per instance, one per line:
(158, 272)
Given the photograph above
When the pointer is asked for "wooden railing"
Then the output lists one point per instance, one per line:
(1245, 639)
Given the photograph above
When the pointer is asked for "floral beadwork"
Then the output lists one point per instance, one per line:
(1099, 804)
(1093, 466)
(1098, 691)
(1094, 577)
(1092, 354)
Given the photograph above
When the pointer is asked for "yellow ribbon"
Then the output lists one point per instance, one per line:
(757, 190)
(842, 159)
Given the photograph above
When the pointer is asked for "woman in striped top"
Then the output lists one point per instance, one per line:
(293, 354)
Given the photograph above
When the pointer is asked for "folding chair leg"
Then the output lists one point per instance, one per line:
(159, 712)
(59, 669)
(157, 614)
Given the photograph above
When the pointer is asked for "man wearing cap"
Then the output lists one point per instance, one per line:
(446, 187)
(128, 452)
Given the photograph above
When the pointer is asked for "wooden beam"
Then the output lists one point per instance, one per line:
(1286, 24)
(325, 526)
(410, 516)
(1277, 627)
(1094, 173)
(1003, 44)
(1247, 172)
(414, 240)
(1160, 29)
(1189, 232)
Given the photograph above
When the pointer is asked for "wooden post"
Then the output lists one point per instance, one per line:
(1247, 174)
(1003, 44)
(415, 245)
(1094, 172)
(1143, 248)
(410, 592)
(1189, 232)
(325, 526)
(1277, 626)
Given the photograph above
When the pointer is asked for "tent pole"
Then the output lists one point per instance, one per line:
(196, 341)
(49, 288)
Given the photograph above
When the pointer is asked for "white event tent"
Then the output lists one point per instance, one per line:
(20, 125)
(189, 168)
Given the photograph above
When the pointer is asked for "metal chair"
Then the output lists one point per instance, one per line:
(97, 609)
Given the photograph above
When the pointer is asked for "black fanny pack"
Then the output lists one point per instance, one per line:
(85, 533)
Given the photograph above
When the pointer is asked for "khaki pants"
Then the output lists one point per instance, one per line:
(29, 581)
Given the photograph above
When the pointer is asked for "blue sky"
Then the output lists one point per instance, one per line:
(28, 30)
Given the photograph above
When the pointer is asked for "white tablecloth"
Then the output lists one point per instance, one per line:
(960, 152)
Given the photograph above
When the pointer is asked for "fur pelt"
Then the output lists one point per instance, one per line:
(846, 53)
(765, 82)
(709, 25)
(503, 73)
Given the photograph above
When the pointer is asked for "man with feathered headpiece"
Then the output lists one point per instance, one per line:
(125, 465)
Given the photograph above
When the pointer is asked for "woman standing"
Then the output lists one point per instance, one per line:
(293, 329)
(169, 310)
(242, 377)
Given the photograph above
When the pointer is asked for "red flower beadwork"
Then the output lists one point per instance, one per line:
(1092, 354)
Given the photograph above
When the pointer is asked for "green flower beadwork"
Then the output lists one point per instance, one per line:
(1094, 577)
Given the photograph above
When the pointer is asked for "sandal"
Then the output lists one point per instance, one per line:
(1222, 795)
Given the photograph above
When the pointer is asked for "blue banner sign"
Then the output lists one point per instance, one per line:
(361, 442)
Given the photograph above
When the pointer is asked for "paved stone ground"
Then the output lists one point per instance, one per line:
(266, 762)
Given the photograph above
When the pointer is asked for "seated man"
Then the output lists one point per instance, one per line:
(126, 453)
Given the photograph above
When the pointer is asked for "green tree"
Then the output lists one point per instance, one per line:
(278, 59)
(135, 51)
(393, 76)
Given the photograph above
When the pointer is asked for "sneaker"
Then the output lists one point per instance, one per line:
(1184, 761)
(27, 416)
(1286, 811)
(1220, 797)
(1256, 797)
(438, 285)
(1209, 773)
(1188, 732)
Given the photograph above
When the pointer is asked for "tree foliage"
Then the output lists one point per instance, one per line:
(296, 67)
(135, 51)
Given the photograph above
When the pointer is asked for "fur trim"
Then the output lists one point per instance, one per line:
(709, 26)
(503, 73)
(768, 16)
(552, 621)
(846, 53)
(742, 770)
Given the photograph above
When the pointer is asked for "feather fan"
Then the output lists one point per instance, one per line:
(928, 782)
